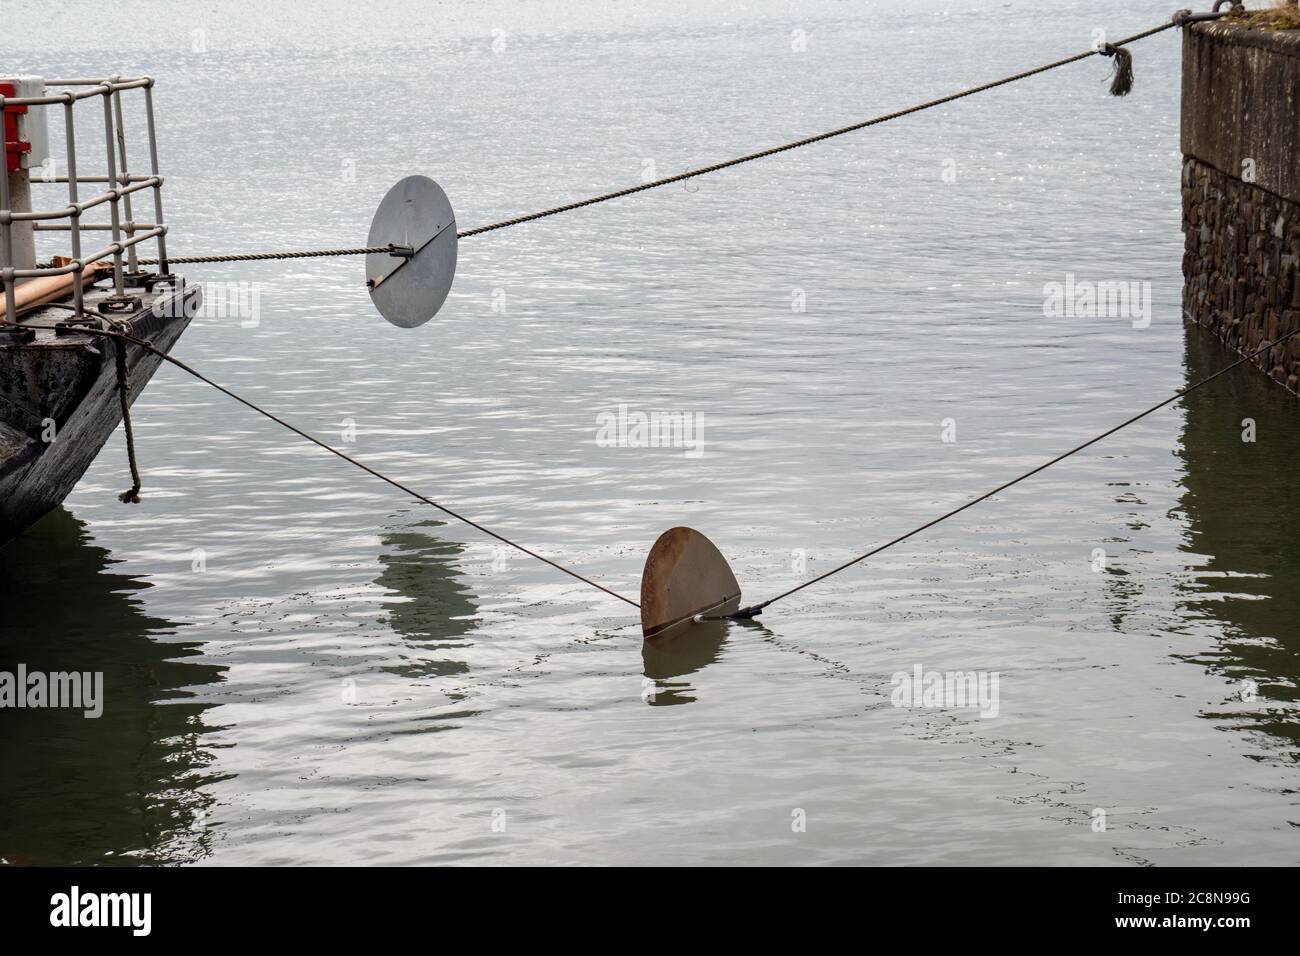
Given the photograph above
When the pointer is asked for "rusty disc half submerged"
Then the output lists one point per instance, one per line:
(685, 575)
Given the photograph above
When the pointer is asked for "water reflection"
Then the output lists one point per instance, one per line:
(679, 655)
(1243, 507)
(124, 787)
(437, 608)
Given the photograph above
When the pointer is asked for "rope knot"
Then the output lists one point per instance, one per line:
(1121, 83)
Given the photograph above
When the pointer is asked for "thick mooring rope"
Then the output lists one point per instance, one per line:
(132, 494)
(255, 256)
(755, 609)
(123, 337)
(1121, 85)
(875, 121)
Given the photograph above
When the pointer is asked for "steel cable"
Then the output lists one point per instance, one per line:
(754, 609)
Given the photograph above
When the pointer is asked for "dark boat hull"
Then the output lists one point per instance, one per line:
(59, 400)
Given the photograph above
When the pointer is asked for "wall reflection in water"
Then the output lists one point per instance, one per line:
(126, 786)
(1242, 501)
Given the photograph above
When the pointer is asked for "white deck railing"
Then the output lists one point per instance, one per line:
(122, 184)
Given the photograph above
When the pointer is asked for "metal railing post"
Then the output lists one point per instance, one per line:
(113, 204)
(153, 169)
(124, 177)
(70, 135)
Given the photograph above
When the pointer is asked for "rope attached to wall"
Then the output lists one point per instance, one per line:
(743, 613)
(754, 609)
(1121, 85)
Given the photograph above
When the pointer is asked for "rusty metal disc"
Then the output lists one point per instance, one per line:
(416, 215)
(685, 575)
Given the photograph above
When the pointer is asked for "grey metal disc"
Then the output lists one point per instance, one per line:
(685, 575)
(415, 213)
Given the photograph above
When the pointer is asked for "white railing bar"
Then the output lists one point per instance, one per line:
(134, 177)
(76, 209)
(135, 81)
(77, 265)
(97, 226)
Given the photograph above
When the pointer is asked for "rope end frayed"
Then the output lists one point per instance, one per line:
(1121, 83)
(130, 497)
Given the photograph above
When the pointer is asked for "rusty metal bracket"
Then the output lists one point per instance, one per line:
(118, 303)
(78, 326)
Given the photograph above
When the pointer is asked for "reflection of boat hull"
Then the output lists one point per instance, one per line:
(65, 387)
(128, 787)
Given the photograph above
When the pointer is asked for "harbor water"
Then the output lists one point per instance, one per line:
(300, 665)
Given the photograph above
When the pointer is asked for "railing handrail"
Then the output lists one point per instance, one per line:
(77, 265)
(101, 80)
(99, 88)
(148, 182)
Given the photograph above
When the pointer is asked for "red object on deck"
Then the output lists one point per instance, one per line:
(14, 147)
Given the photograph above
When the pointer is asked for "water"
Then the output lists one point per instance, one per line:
(302, 666)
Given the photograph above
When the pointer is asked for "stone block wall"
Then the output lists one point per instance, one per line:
(1241, 189)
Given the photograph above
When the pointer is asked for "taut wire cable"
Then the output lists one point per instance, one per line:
(754, 609)
(122, 337)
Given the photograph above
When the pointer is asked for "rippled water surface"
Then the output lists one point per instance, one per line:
(302, 666)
